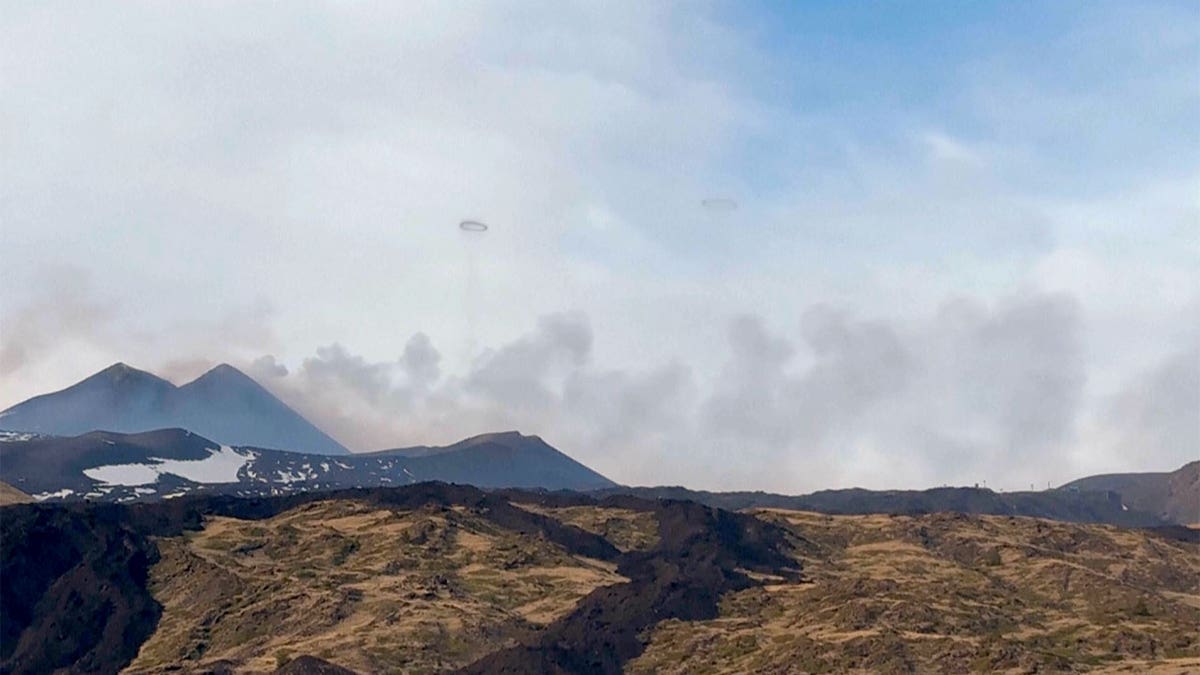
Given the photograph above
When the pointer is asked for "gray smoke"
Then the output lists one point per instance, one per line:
(420, 361)
(266, 368)
(995, 391)
(59, 308)
(1156, 415)
(974, 393)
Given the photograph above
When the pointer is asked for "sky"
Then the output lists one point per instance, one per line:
(731, 245)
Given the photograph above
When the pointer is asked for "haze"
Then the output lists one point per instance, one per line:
(887, 246)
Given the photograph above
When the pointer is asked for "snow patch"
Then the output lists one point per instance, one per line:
(61, 494)
(16, 436)
(221, 466)
(289, 477)
(124, 474)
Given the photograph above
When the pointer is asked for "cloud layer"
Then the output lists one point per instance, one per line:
(973, 393)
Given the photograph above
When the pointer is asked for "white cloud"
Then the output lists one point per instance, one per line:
(943, 148)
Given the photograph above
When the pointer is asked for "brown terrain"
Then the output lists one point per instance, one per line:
(930, 593)
(953, 593)
(627, 529)
(372, 590)
(437, 578)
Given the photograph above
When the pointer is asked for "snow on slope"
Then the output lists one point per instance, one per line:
(61, 494)
(221, 466)
(17, 436)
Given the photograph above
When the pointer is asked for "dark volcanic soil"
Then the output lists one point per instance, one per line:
(700, 556)
(73, 588)
(311, 665)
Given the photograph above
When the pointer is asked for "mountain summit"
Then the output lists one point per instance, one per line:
(223, 404)
(507, 458)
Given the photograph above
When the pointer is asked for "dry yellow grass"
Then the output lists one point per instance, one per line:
(951, 593)
(11, 495)
(433, 589)
(372, 590)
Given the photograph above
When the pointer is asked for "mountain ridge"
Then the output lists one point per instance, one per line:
(223, 404)
(1092, 505)
(1174, 495)
(427, 450)
(167, 463)
(105, 466)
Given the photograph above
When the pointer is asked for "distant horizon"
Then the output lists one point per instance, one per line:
(663, 486)
(524, 434)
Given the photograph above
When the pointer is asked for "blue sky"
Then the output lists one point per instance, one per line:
(966, 234)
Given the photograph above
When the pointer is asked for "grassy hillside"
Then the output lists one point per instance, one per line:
(441, 578)
(953, 593)
(367, 588)
(423, 578)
